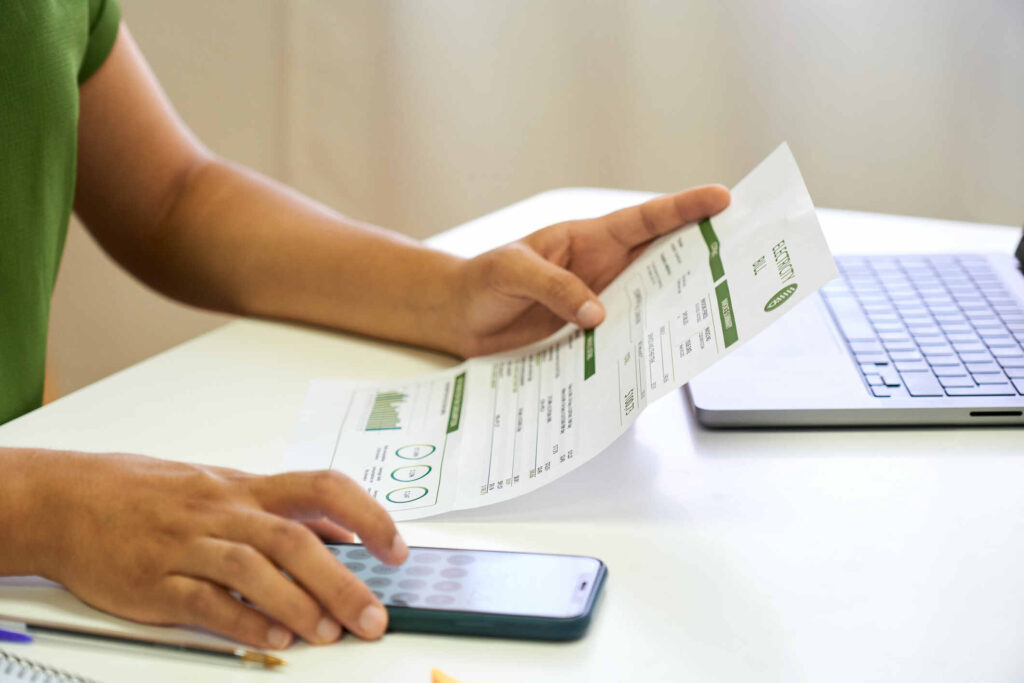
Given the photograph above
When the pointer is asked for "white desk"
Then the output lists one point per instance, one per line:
(819, 555)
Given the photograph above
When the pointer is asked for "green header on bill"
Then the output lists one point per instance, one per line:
(729, 334)
(455, 412)
(714, 248)
(589, 362)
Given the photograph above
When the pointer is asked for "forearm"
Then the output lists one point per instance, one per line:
(221, 237)
(238, 242)
(23, 519)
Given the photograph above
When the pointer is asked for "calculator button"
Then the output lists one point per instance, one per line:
(357, 554)
(447, 586)
(412, 584)
(384, 569)
(426, 558)
(453, 572)
(419, 570)
(355, 567)
(399, 599)
(461, 560)
(378, 582)
(439, 600)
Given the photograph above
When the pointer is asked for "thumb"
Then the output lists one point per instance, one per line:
(525, 273)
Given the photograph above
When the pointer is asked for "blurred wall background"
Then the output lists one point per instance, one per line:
(421, 115)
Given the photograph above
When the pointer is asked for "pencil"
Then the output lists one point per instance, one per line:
(241, 654)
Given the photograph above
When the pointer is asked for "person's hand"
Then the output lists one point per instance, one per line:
(524, 291)
(171, 543)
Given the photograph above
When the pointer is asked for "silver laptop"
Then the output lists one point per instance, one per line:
(895, 340)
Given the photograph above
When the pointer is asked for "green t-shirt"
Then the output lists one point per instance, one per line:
(48, 48)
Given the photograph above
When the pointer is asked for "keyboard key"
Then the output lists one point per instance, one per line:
(874, 380)
(976, 357)
(940, 310)
(1019, 385)
(912, 366)
(906, 355)
(949, 370)
(982, 367)
(851, 320)
(1014, 373)
(968, 347)
(866, 347)
(956, 381)
(922, 384)
(872, 358)
(997, 341)
(890, 378)
(983, 390)
(881, 392)
(1007, 352)
(989, 377)
(1011, 362)
(997, 337)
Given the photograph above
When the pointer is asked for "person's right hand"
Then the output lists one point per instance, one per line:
(171, 543)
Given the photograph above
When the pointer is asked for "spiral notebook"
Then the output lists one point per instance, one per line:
(17, 669)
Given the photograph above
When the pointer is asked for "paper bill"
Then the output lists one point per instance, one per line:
(499, 426)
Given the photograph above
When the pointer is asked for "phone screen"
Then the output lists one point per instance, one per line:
(527, 584)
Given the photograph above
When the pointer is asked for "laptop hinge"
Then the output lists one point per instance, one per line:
(1020, 253)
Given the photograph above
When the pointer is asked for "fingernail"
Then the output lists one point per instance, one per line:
(372, 621)
(328, 630)
(589, 314)
(279, 637)
(399, 550)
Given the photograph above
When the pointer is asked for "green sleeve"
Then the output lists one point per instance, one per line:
(104, 18)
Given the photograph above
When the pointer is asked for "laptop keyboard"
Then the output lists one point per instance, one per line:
(929, 326)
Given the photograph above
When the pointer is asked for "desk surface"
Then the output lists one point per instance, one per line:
(733, 555)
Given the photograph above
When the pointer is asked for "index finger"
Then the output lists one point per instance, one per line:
(309, 496)
(637, 225)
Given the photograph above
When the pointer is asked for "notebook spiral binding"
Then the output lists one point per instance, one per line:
(15, 668)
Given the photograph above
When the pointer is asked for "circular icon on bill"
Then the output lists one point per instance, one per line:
(411, 472)
(407, 494)
(415, 451)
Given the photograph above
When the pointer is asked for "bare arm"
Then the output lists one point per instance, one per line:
(219, 236)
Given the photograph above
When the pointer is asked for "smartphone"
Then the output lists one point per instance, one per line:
(482, 592)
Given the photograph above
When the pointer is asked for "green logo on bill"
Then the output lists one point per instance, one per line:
(779, 297)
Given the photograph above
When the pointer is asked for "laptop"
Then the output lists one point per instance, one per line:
(895, 340)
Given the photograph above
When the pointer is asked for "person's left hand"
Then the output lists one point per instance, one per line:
(524, 291)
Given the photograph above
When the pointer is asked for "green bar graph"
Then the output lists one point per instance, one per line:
(384, 413)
